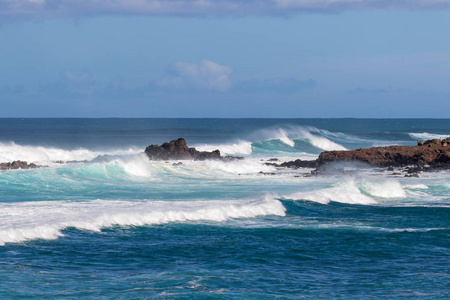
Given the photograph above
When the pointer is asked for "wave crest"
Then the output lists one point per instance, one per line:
(46, 220)
(46, 155)
(352, 192)
(237, 148)
(427, 136)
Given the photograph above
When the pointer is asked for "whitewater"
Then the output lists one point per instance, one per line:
(99, 219)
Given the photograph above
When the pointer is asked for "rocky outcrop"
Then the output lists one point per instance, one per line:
(435, 153)
(17, 164)
(178, 150)
(298, 163)
(426, 156)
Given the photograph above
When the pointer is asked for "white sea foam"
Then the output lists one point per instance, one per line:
(237, 148)
(427, 136)
(246, 166)
(283, 136)
(322, 142)
(272, 134)
(320, 139)
(133, 167)
(357, 191)
(138, 165)
(46, 220)
(214, 168)
(344, 192)
(286, 135)
(385, 189)
(45, 155)
(289, 134)
(419, 186)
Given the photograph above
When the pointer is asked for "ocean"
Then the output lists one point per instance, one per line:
(101, 221)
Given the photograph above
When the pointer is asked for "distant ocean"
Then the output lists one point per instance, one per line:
(102, 221)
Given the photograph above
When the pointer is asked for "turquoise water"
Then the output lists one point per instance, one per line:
(108, 223)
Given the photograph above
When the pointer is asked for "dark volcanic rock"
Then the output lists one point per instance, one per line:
(178, 150)
(231, 158)
(298, 163)
(17, 164)
(435, 153)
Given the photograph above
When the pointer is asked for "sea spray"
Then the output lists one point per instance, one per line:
(233, 148)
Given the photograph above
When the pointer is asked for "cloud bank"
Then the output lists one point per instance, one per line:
(42, 9)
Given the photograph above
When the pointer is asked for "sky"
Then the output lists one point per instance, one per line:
(225, 58)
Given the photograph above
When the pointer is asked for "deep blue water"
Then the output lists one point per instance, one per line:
(108, 223)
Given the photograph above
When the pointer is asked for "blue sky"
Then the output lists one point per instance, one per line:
(224, 58)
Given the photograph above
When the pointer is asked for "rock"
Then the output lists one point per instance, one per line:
(266, 173)
(432, 153)
(414, 170)
(412, 175)
(419, 143)
(77, 161)
(433, 142)
(178, 150)
(298, 163)
(17, 164)
(231, 158)
(204, 155)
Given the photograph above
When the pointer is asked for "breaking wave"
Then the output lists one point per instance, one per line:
(291, 134)
(136, 166)
(278, 140)
(427, 136)
(46, 155)
(354, 192)
(46, 220)
(385, 189)
(238, 148)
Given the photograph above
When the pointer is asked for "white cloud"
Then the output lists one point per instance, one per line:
(64, 8)
(206, 75)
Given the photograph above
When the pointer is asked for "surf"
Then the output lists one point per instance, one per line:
(10, 151)
(47, 219)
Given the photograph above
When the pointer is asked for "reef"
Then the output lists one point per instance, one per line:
(178, 150)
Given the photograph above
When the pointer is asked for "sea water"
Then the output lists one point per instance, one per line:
(102, 221)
